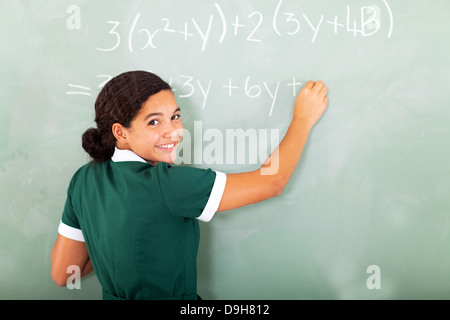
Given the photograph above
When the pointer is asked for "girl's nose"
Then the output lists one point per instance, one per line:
(173, 132)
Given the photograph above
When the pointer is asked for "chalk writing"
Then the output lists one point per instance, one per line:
(187, 86)
(85, 90)
(364, 21)
(218, 26)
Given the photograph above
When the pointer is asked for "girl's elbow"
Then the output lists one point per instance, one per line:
(60, 281)
(278, 185)
(59, 278)
(278, 192)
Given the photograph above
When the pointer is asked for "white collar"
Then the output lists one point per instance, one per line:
(121, 155)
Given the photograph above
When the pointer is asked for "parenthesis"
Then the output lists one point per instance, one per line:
(224, 23)
(130, 35)
(275, 18)
(390, 17)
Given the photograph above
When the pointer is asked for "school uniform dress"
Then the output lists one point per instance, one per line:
(140, 224)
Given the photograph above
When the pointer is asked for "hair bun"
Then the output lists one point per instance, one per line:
(92, 144)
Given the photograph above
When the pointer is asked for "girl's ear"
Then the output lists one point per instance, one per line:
(120, 133)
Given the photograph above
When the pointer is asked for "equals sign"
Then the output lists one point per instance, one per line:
(85, 92)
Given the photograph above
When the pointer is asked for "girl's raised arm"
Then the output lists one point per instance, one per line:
(250, 187)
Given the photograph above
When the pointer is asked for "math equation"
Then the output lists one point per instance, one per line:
(364, 21)
(218, 24)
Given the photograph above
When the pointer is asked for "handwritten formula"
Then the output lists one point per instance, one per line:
(364, 21)
(218, 25)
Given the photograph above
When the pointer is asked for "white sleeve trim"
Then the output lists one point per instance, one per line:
(70, 232)
(214, 199)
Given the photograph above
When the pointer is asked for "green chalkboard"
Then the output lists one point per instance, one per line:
(366, 214)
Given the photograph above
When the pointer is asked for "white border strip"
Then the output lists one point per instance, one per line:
(70, 232)
(121, 155)
(214, 199)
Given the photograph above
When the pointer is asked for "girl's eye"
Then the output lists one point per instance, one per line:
(176, 117)
(153, 123)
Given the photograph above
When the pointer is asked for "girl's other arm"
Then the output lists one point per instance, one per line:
(67, 252)
(250, 187)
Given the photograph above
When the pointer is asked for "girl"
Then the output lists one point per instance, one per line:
(132, 216)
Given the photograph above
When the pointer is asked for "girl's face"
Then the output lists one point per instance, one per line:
(156, 131)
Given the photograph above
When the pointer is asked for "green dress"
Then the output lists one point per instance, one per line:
(140, 224)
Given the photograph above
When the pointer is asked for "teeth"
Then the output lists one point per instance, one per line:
(166, 146)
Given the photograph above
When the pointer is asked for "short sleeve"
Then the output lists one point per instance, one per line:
(69, 226)
(191, 192)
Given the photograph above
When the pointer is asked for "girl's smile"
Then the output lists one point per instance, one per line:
(166, 146)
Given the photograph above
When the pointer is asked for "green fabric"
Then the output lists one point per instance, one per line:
(138, 221)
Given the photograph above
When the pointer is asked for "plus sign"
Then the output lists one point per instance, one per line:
(186, 33)
(294, 86)
(230, 87)
(237, 25)
(336, 24)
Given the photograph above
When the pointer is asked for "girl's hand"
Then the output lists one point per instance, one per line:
(311, 102)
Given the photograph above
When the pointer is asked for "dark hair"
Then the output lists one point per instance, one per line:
(119, 102)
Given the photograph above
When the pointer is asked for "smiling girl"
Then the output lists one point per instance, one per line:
(132, 216)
